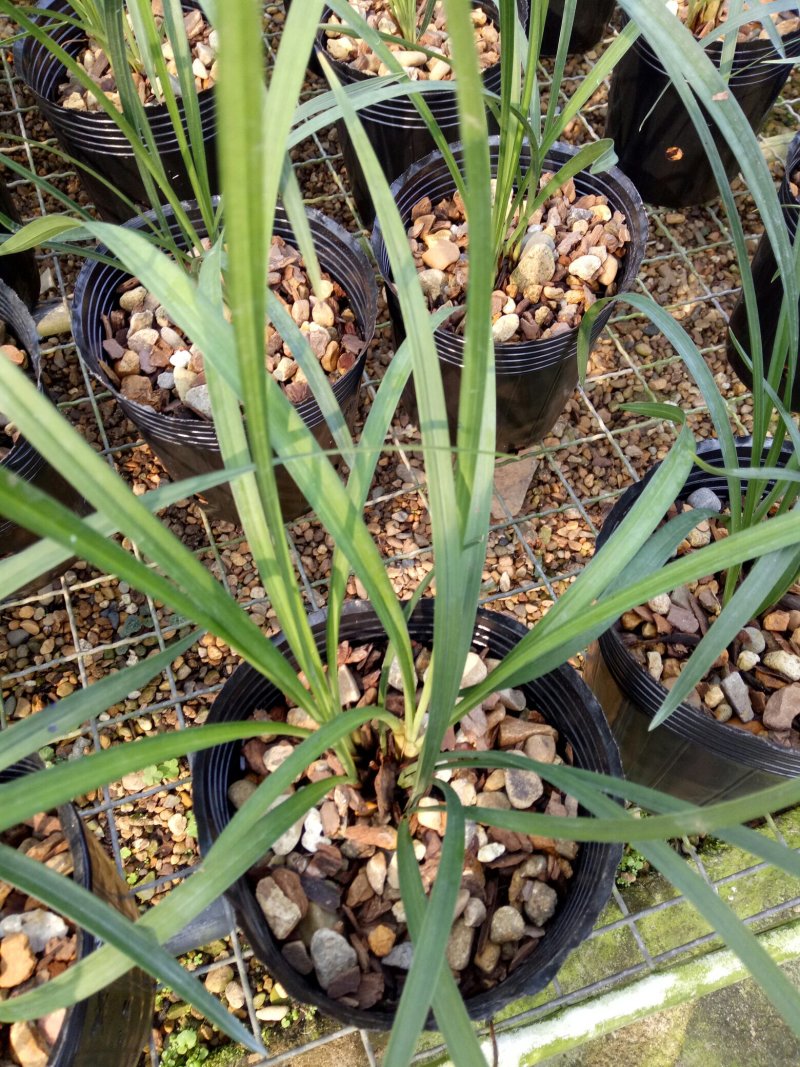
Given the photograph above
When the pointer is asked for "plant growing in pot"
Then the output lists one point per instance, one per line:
(17, 456)
(148, 360)
(416, 727)
(128, 89)
(396, 37)
(769, 296)
(753, 46)
(565, 231)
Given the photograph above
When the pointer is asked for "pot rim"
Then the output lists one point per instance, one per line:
(511, 357)
(201, 432)
(562, 686)
(687, 721)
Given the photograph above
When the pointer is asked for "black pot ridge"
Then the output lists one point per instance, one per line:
(654, 137)
(591, 19)
(691, 755)
(769, 289)
(23, 459)
(563, 699)
(111, 1026)
(395, 128)
(189, 446)
(534, 378)
(94, 140)
(19, 270)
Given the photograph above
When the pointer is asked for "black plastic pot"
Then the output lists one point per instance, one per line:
(23, 459)
(691, 755)
(591, 19)
(561, 696)
(395, 128)
(189, 446)
(768, 287)
(93, 140)
(111, 1026)
(19, 271)
(534, 378)
(654, 136)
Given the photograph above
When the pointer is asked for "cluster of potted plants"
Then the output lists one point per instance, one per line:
(414, 808)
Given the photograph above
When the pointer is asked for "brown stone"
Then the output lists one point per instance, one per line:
(782, 707)
(513, 731)
(289, 884)
(381, 940)
(17, 962)
(379, 836)
(27, 1045)
(360, 890)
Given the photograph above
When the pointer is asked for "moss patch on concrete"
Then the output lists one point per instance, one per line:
(601, 957)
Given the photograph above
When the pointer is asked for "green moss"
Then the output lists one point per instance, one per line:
(671, 927)
(602, 956)
(756, 892)
(788, 823)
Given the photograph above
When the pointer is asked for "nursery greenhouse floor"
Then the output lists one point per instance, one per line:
(650, 950)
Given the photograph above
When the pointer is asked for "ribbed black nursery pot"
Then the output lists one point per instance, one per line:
(395, 128)
(768, 287)
(654, 136)
(534, 379)
(691, 755)
(591, 19)
(23, 460)
(94, 140)
(562, 698)
(19, 270)
(188, 446)
(111, 1026)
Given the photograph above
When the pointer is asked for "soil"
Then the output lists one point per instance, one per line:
(754, 685)
(35, 944)
(9, 350)
(570, 257)
(714, 13)
(153, 363)
(417, 64)
(329, 889)
(203, 43)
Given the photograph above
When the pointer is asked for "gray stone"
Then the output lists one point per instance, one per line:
(512, 699)
(234, 994)
(541, 747)
(281, 913)
(507, 925)
(523, 788)
(540, 901)
(736, 690)
(459, 945)
(17, 637)
(199, 400)
(785, 663)
(753, 640)
(505, 328)
(493, 800)
(38, 925)
(332, 955)
(537, 266)
(474, 912)
(400, 957)
(705, 498)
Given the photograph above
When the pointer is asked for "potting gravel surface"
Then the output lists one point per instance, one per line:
(549, 504)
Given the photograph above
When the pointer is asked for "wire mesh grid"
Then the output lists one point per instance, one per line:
(548, 508)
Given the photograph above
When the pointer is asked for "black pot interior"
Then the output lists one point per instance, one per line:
(561, 696)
